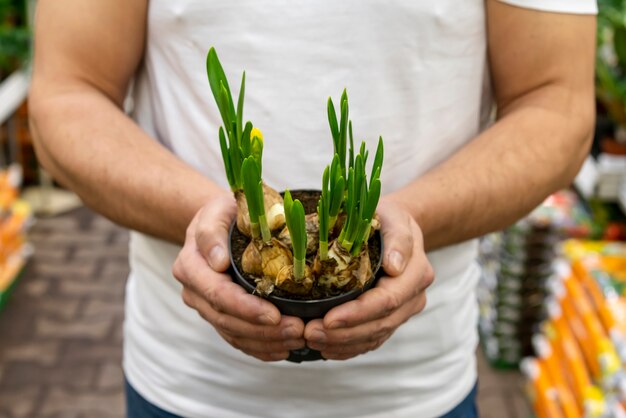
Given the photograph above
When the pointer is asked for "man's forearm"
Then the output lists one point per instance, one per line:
(88, 144)
(533, 150)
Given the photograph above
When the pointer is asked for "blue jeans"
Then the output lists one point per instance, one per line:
(467, 408)
(138, 407)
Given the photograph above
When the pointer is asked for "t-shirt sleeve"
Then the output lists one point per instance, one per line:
(562, 6)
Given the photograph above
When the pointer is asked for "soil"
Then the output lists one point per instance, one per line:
(309, 199)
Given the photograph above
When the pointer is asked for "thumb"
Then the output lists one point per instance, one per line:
(397, 236)
(211, 231)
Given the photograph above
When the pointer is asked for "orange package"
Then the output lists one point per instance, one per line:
(549, 359)
(604, 280)
(581, 335)
(567, 350)
(541, 391)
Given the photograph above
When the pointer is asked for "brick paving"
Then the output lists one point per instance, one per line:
(61, 332)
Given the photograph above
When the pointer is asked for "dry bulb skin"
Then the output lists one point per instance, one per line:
(265, 260)
(273, 203)
(312, 234)
(375, 225)
(342, 272)
(287, 281)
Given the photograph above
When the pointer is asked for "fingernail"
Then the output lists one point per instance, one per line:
(336, 324)
(396, 261)
(318, 336)
(265, 319)
(216, 256)
(290, 332)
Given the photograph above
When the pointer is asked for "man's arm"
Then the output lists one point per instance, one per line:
(542, 67)
(85, 56)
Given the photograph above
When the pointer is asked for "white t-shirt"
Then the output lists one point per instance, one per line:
(416, 73)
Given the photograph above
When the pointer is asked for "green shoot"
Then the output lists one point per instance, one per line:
(236, 141)
(322, 215)
(361, 200)
(351, 160)
(220, 88)
(294, 216)
(253, 189)
(378, 161)
(242, 91)
(339, 129)
(329, 203)
(336, 192)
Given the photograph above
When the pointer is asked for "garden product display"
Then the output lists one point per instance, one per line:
(15, 218)
(517, 263)
(581, 342)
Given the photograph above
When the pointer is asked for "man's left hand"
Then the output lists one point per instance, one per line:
(364, 324)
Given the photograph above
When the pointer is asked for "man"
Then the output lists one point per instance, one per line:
(422, 74)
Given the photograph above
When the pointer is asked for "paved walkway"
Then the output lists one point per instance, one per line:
(61, 332)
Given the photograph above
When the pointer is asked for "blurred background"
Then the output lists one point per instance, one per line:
(552, 296)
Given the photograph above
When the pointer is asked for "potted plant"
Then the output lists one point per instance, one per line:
(314, 249)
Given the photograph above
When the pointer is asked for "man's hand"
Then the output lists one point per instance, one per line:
(364, 324)
(246, 322)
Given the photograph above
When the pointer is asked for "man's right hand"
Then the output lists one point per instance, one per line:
(245, 321)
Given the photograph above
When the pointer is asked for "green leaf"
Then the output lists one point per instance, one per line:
(332, 121)
(359, 175)
(287, 204)
(372, 199)
(242, 90)
(322, 206)
(226, 158)
(335, 169)
(343, 131)
(360, 237)
(245, 140)
(251, 185)
(294, 216)
(235, 159)
(217, 78)
(325, 178)
(337, 197)
(298, 237)
(223, 108)
(351, 162)
(362, 200)
(378, 160)
(353, 206)
(322, 215)
(362, 151)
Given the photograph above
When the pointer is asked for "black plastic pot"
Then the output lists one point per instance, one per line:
(306, 309)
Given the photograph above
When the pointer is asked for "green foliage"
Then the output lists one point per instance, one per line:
(14, 35)
(253, 190)
(611, 58)
(296, 224)
(236, 143)
(361, 200)
(339, 129)
(329, 204)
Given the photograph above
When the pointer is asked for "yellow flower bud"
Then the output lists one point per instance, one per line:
(256, 132)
